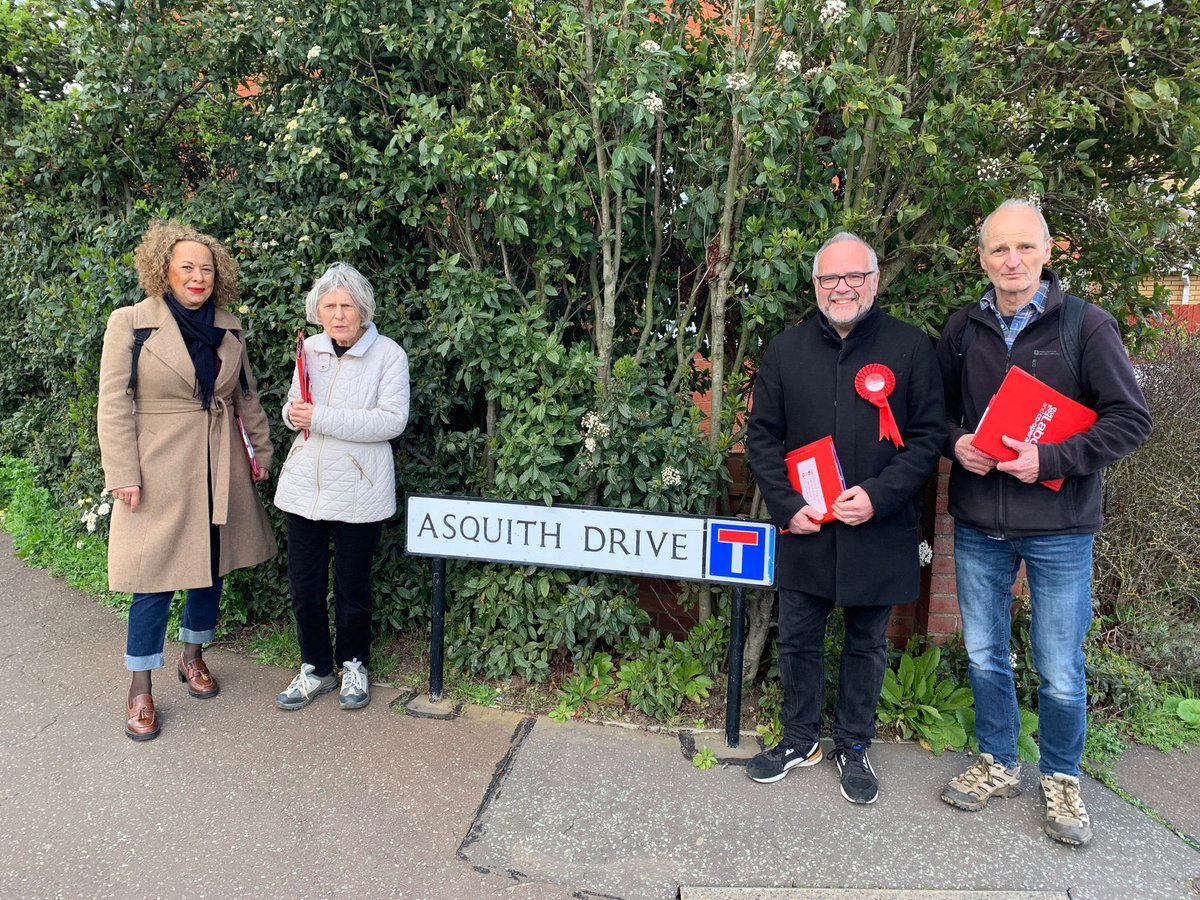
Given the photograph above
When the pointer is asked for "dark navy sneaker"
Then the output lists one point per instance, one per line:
(771, 765)
(859, 784)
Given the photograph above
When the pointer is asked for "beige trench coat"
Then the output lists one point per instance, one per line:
(159, 441)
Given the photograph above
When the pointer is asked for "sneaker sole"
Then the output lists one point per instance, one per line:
(859, 802)
(796, 764)
(1066, 839)
(963, 801)
(289, 707)
(355, 704)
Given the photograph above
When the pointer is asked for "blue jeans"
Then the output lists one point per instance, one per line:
(148, 618)
(802, 619)
(1059, 570)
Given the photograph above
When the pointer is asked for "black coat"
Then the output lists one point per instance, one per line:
(999, 504)
(805, 391)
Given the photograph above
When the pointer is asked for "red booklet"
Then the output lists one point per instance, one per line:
(815, 472)
(1029, 410)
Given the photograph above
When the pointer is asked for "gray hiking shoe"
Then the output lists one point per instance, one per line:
(1066, 817)
(305, 688)
(983, 780)
(356, 689)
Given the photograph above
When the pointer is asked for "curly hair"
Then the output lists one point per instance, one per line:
(153, 256)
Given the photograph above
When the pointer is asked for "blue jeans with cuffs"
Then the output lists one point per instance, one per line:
(148, 617)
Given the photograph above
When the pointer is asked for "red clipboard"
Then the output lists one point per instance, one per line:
(302, 373)
(254, 467)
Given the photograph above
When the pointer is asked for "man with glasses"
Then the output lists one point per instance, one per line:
(1003, 516)
(869, 381)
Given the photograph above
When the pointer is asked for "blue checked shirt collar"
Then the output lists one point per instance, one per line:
(1026, 314)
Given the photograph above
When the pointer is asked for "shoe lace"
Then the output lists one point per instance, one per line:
(1063, 800)
(303, 683)
(354, 677)
(855, 756)
(977, 775)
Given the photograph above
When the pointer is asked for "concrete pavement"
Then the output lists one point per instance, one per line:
(238, 799)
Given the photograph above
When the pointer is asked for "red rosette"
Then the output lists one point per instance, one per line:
(874, 382)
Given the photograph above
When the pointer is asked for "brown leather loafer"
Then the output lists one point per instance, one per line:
(141, 721)
(200, 683)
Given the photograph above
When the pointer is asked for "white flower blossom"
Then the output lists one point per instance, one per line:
(79, 544)
(303, 239)
(1034, 200)
(344, 176)
(810, 74)
(1034, 32)
(589, 444)
(789, 61)
(989, 169)
(103, 509)
(1099, 207)
(832, 12)
(649, 46)
(341, 120)
(738, 81)
(653, 103)
(671, 477)
(314, 52)
(594, 424)
(71, 87)
(279, 20)
(924, 553)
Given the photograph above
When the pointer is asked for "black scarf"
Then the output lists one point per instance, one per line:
(202, 339)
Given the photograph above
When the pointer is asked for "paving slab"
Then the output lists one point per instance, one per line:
(623, 814)
(1168, 783)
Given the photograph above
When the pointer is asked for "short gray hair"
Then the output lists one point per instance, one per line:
(838, 238)
(341, 275)
(1016, 204)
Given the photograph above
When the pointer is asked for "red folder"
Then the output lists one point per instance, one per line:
(1029, 410)
(815, 472)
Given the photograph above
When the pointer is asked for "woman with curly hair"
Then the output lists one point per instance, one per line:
(175, 385)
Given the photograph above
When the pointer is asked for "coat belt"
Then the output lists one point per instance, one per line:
(220, 439)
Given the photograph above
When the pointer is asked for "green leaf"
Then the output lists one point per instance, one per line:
(1141, 99)
(1189, 711)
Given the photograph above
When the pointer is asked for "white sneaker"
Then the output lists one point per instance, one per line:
(356, 689)
(305, 688)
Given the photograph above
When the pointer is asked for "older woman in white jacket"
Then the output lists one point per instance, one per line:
(338, 484)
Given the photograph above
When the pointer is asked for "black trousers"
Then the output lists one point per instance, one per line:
(802, 619)
(308, 573)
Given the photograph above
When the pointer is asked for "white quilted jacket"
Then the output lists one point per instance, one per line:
(344, 472)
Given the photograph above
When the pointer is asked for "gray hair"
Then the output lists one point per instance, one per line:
(1016, 204)
(838, 238)
(341, 275)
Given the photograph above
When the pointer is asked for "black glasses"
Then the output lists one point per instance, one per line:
(852, 279)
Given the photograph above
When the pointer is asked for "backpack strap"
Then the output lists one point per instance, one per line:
(243, 379)
(139, 338)
(1070, 326)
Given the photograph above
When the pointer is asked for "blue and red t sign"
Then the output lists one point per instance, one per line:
(740, 552)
